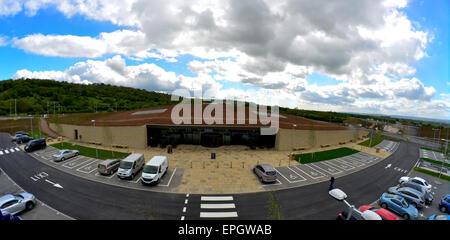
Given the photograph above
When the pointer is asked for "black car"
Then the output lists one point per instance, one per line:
(35, 145)
(23, 139)
(21, 133)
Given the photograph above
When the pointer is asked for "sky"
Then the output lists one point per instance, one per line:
(378, 57)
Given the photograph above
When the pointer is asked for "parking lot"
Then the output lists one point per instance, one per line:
(305, 174)
(437, 156)
(388, 146)
(87, 168)
(438, 191)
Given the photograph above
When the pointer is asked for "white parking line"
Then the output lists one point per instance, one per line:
(338, 164)
(331, 173)
(217, 198)
(17, 149)
(170, 179)
(11, 150)
(76, 165)
(6, 151)
(321, 175)
(93, 161)
(272, 184)
(217, 206)
(329, 165)
(1, 152)
(298, 174)
(294, 181)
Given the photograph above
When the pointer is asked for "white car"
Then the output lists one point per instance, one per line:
(65, 154)
(416, 180)
(16, 203)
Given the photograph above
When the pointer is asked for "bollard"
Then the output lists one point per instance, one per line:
(231, 164)
(191, 164)
(217, 165)
(242, 164)
(279, 163)
(203, 164)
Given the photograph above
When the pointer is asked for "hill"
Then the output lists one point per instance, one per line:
(35, 96)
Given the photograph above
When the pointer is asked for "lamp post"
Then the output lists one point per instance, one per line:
(95, 140)
(31, 125)
(292, 142)
(339, 195)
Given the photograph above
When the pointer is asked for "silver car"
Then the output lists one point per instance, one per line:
(65, 154)
(108, 167)
(13, 204)
(265, 173)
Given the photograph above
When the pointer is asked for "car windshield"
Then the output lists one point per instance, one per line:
(271, 173)
(18, 196)
(126, 165)
(150, 169)
(405, 204)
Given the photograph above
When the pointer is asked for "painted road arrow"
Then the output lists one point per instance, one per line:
(54, 184)
(388, 166)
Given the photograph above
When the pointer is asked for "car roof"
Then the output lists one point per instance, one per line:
(267, 167)
(109, 160)
(156, 160)
(412, 190)
(6, 198)
(385, 213)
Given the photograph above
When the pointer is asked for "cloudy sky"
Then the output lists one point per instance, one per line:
(383, 57)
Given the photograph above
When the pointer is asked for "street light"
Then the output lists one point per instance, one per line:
(292, 142)
(339, 195)
(95, 140)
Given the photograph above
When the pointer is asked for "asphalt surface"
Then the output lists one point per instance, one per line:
(84, 199)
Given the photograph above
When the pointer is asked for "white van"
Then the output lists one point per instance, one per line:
(154, 170)
(131, 165)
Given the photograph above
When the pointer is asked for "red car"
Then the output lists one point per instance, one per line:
(384, 214)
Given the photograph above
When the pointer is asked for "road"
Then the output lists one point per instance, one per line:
(84, 199)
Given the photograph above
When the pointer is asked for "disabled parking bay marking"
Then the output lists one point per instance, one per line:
(309, 171)
(326, 168)
(88, 168)
(290, 175)
(77, 162)
(341, 165)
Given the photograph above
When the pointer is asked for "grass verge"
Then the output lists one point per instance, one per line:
(434, 174)
(375, 141)
(90, 152)
(436, 162)
(324, 155)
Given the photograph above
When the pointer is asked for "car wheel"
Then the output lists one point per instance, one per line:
(29, 205)
(443, 209)
(62, 159)
(406, 216)
(384, 205)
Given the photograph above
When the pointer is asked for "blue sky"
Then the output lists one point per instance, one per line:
(47, 39)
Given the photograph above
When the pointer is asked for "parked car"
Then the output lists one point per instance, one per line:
(398, 205)
(23, 139)
(154, 170)
(265, 173)
(15, 137)
(439, 217)
(417, 180)
(35, 145)
(343, 216)
(130, 165)
(384, 214)
(444, 204)
(65, 154)
(426, 194)
(21, 133)
(108, 166)
(13, 204)
(412, 196)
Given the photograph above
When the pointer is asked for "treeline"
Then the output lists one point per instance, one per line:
(35, 96)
